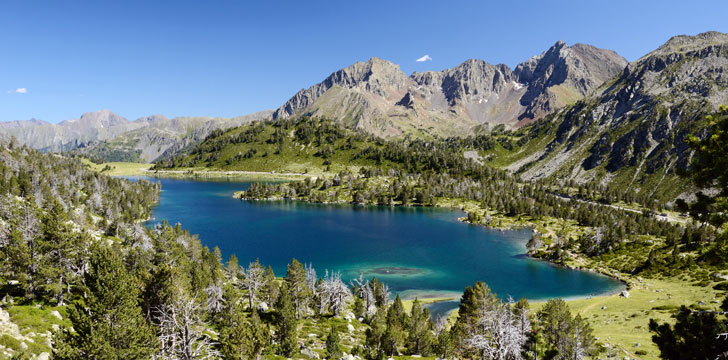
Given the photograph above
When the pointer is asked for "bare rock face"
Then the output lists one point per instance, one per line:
(564, 74)
(378, 97)
(376, 76)
(407, 101)
(634, 127)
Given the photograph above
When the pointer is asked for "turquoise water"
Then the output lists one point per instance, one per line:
(417, 251)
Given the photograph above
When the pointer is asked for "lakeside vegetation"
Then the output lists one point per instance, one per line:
(583, 227)
(82, 278)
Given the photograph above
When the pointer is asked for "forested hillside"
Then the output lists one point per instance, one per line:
(83, 279)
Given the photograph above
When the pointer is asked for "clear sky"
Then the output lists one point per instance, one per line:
(225, 58)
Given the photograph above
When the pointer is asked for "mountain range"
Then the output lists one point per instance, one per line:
(107, 136)
(378, 97)
(375, 96)
(578, 112)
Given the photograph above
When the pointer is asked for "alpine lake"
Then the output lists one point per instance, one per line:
(419, 252)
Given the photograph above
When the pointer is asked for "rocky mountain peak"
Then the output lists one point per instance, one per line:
(563, 74)
(375, 72)
(22, 123)
(152, 119)
(377, 96)
(98, 119)
(635, 128)
(376, 76)
(688, 43)
(474, 77)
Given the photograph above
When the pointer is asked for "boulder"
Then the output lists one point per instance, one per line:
(350, 328)
(43, 356)
(624, 294)
(56, 314)
(262, 307)
(310, 353)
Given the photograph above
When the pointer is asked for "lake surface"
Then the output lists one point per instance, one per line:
(417, 251)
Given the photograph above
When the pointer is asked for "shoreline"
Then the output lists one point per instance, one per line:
(223, 174)
(626, 284)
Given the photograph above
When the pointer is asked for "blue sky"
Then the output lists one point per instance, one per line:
(225, 58)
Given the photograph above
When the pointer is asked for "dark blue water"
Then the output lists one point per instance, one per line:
(417, 251)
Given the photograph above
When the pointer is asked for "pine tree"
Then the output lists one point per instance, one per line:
(109, 324)
(395, 334)
(375, 335)
(286, 323)
(695, 335)
(333, 348)
(419, 339)
(60, 246)
(244, 339)
(18, 263)
(299, 290)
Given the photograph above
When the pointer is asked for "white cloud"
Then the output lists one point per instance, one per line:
(424, 58)
(18, 91)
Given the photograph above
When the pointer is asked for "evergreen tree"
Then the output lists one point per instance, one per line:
(109, 323)
(395, 334)
(419, 338)
(60, 246)
(695, 335)
(244, 339)
(286, 323)
(709, 169)
(444, 346)
(565, 337)
(299, 290)
(18, 259)
(333, 348)
(375, 335)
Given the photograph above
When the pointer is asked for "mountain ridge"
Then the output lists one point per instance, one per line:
(469, 94)
(632, 131)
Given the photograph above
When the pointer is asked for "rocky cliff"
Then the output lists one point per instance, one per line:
(631, 133)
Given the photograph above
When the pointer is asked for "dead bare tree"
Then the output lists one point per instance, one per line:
(253, 279)
(497, 334)
(181, 333)
(215, 300)
(334, 292)
(366, 292)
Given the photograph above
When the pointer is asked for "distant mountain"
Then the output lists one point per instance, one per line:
(631, 133)
(378, 97)
(68, 134)
(21, 123)
(107, 136)
(158, 137)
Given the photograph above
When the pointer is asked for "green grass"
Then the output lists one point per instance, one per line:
(36, 323)
(119, 168)
(624, 322)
